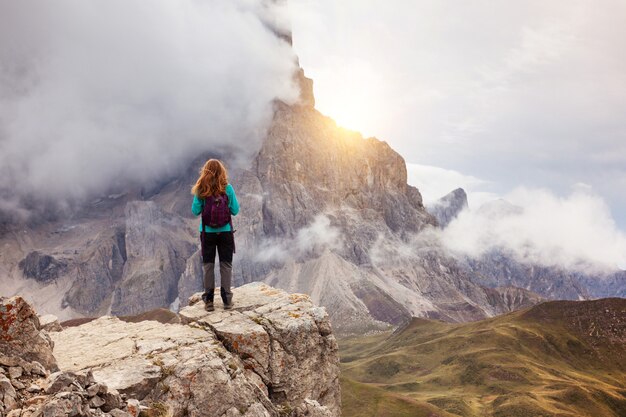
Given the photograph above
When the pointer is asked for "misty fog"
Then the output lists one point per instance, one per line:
(100, 94)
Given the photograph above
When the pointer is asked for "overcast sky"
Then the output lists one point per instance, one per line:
(489, 95)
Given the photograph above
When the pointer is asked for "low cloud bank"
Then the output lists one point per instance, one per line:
(574, 232)
(311, 240)
(435, 182)
(99, 94)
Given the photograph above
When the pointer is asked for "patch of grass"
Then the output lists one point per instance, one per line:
(453, 405)
(406, 387)
(363, 400)
(383, 367)
(156, 409)
(285, 410)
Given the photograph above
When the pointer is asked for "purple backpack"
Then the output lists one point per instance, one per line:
(216, 212)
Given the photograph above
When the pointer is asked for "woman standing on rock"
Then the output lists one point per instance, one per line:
(214, 198)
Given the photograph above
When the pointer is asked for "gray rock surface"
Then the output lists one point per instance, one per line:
(156, 258)
(608, 285)
(499, 268)
(272, 355)
(133, 267)
(99, 268)
(190, 281)
(41, 267)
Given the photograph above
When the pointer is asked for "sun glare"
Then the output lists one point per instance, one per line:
(349, 96)
(347, 113)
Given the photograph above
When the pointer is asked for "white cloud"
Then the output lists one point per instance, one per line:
(312, 239)
(99, 93)
(434, 183)
(576, 231)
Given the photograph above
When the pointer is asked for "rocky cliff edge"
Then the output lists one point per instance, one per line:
(274, 354)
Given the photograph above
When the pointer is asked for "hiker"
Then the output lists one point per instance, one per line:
(214, 199)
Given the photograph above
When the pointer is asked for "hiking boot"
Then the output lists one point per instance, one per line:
(207, 297)
(227, 298)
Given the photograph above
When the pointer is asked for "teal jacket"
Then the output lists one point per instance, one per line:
(233, 204)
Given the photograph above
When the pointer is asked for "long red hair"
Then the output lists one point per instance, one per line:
(212, 180)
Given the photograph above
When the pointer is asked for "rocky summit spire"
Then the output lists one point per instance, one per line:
(448, 207)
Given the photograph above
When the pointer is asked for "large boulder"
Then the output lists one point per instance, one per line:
(31, 384)
(21, 335)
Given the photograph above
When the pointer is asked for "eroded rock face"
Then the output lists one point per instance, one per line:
(274, 354)
(499, 268)
(307, 165)
(506, 299)
(132, 267)
(155, 260)
(41, 267)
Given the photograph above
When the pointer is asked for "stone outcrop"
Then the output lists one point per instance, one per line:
(41, 267)
(156, 259)
(21, 335)
(31, 384)
(274, 354)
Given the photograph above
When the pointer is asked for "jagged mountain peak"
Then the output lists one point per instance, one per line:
(448, 207)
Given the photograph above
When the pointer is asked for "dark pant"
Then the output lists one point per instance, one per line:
(223, 244)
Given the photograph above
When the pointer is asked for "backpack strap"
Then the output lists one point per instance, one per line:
(202, 233)
(232, 230)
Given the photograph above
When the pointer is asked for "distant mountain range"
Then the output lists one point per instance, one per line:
(500, 267)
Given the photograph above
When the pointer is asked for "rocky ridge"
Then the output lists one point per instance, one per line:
(273, 355)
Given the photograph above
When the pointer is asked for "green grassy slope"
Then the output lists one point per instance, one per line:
(558, 358)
